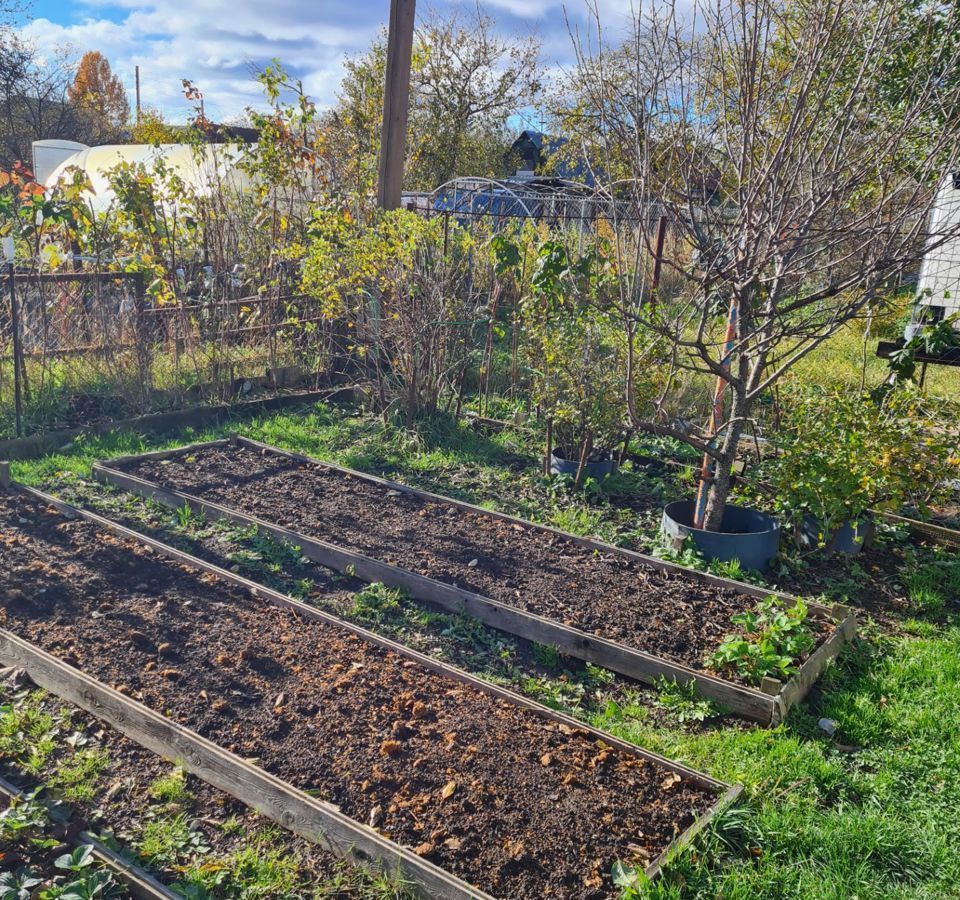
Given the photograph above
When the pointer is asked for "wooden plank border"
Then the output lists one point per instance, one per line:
(726, 794)
(767, 707)
(938, 534)
(140, 883)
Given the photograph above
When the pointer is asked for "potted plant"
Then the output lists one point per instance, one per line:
(841, 456)
(758, 234)
(573, 348)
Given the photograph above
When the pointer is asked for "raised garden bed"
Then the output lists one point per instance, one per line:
(267, 698)
(637, 615)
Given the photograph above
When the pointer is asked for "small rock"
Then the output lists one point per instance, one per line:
(376, 814)
(473, 563)
(828, 726)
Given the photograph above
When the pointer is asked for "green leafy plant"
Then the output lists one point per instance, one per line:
(683, 702)
(18, 885)
(772, 640)
(841, 455)
(377, 603)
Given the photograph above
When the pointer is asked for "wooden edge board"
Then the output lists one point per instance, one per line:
(728, 794)
(141, 884)
(684, 840)
(311, 612)
(799, 686)
(25, 447)
(294, 809)
(628, 661)
(940, 534)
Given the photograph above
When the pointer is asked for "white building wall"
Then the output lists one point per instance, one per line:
(939, 284)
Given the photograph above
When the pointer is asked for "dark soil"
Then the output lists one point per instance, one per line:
(511, 802)
(670, 615)
(122, 802)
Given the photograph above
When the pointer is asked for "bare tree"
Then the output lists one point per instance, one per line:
(33, 100)
(796, 159)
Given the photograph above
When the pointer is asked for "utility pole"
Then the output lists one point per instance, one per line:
(396, 102)
(136, 70)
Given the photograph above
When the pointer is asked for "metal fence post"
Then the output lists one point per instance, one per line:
(17, 350)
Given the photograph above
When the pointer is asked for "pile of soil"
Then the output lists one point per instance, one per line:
(519, 806)
(663, 613)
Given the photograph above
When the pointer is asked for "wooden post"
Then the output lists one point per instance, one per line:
(4, 474)
(396, 98)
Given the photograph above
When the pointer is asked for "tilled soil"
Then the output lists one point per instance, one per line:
(517, 805)
(658, 612)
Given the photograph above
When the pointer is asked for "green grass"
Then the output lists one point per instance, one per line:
(171, 789)
(77, 777)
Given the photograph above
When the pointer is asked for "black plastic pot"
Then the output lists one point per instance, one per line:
(850, 538)
(747, 535)
(598, 469)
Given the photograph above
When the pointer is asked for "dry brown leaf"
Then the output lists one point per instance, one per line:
(448, 790)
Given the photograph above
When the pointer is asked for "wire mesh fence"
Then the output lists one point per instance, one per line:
(80, 347)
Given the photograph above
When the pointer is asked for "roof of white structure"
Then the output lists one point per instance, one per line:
(201, 168)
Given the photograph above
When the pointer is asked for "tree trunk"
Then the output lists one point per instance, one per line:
(719, 489)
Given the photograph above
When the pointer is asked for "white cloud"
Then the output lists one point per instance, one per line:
(215, 42)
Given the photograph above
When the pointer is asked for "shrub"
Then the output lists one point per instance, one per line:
(841, 454)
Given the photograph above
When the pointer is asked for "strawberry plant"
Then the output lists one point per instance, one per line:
(772, 639)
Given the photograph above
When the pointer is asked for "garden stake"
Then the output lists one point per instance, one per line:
(17, 349)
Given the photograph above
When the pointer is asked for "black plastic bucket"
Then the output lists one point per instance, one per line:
(596, 469)
(748, 535)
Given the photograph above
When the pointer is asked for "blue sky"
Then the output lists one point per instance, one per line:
(214, 42)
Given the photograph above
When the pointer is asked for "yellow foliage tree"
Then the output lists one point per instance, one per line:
(98, 94)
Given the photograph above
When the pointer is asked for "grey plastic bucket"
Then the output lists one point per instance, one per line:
(849, 538)
(598, 469)
(747, 535)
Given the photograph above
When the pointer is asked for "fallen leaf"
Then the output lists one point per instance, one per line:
(670, 781)
(448, 790)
